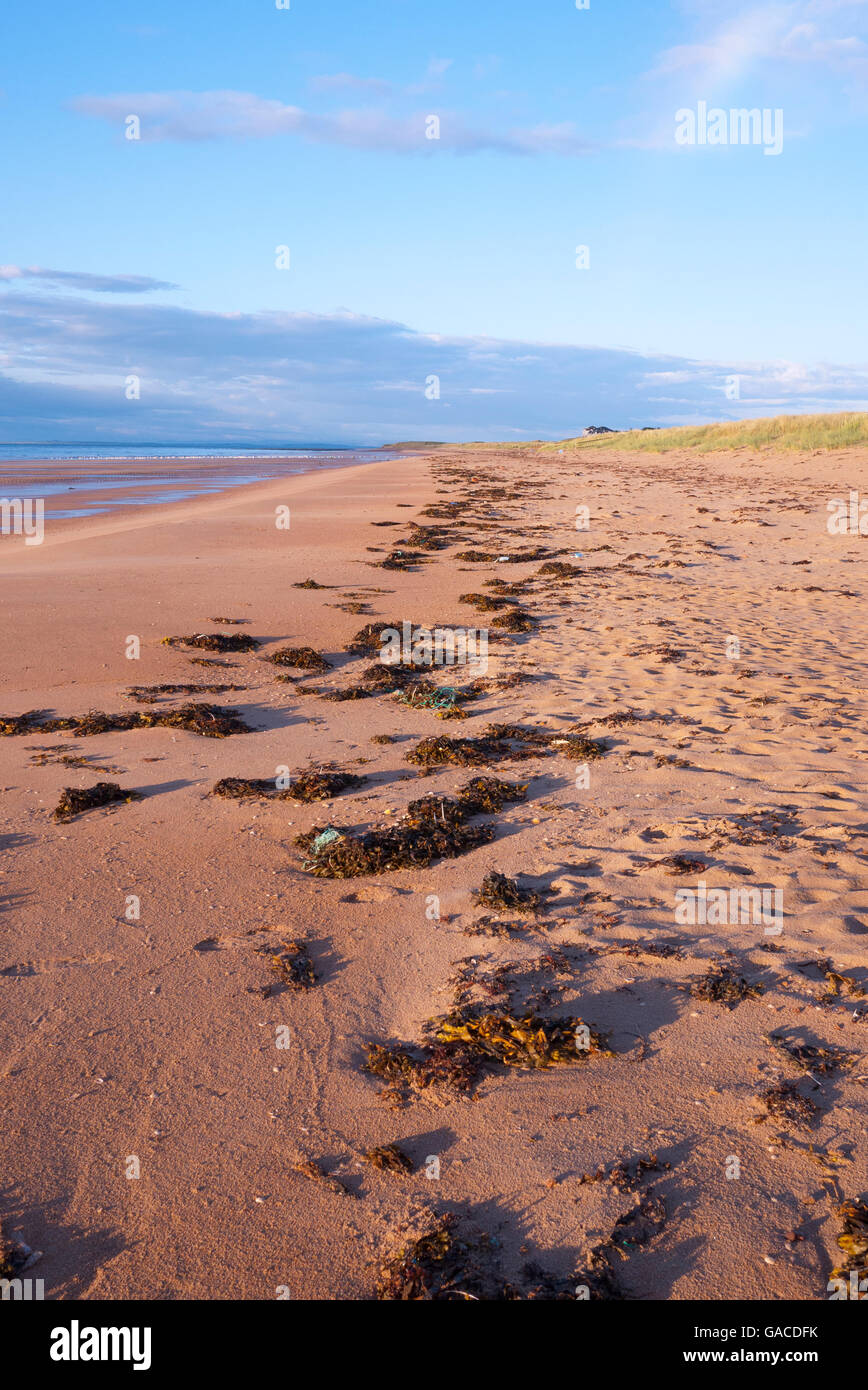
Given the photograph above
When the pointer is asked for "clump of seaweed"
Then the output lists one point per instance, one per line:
(210, 721)
(484, 602)
(13, 725)
(415, 841)
(290, 962)
(380, 679)
(303, 657)
(401, 560)
(476, 557)
(505, 895)
(443, 700)
(514, 620)
(853, 1240)
(383, 738)
(322, 785)
(75, 800)
(679, 864)
(229, 622)
(560, 569)
(367, 639)
(577, 747)
(241, 788)
(498, 742)
(721, 985)
(786, 1102)
(490, 794)
(808, 1058)
(389, 1158)
(311, 584)
(502, 586)
(528, 1042)
(441, 1266)
(144, 694)
(215, 641)
(628, 1175)
(317, 784)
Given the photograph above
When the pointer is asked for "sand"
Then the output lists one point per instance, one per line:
(157, 1046)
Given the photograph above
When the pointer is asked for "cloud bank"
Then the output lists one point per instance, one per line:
(275, 377)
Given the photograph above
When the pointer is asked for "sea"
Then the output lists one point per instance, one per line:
(27, 471)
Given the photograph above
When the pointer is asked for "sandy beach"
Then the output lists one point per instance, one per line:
(181, 1122)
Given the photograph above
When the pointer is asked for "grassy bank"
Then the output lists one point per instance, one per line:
(778, 432)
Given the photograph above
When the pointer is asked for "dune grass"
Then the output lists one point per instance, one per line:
(776, 432)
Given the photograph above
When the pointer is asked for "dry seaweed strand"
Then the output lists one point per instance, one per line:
(304, 658)
(290, 962)
(505, 895)
(74, 801)
(389, 1158)
(215, 641)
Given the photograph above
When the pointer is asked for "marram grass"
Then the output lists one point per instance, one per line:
(777, 432)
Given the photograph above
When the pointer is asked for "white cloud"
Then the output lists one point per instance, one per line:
(244, 115)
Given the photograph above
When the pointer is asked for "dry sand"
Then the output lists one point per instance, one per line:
(156, 1039)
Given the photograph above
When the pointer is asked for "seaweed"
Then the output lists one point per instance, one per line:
(490, 794)
(383, 738)
(505, 895)
(514, 620)
(401, 560)
(367, 639)
(628, 1175)
(304, 657)
(559, 569)
(13, 725)
(243, 787)
(292, 965)
(721, 985)
(433, 1267)
(312, 584)
(230, 622)
(476, 557)
(74, 801)
(308, 1168)
(501, 586)
(527, 1042)
(389, 1158)
(414, 842)
(209, 721)
(807, 1058)
(215, 641)
(786, 1102)
(484, 602)
(145, 693)
(499, 742)
(853, 1240)
(56, 754)
(679, 864)
(578, 747)
(380, 679)
(317, 784)
(443, 700)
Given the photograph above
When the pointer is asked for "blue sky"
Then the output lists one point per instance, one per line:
(412, 257)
